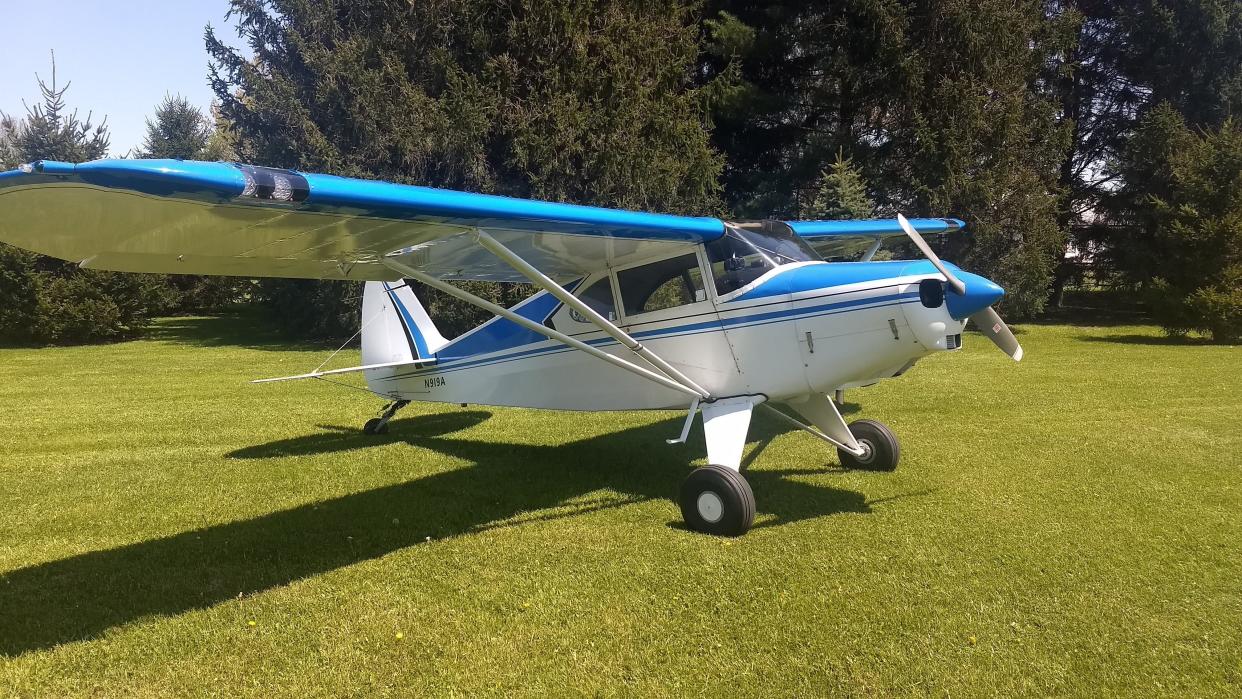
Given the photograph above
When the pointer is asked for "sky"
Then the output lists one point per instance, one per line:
(122, 57)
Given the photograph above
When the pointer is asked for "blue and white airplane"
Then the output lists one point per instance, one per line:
(636, 311)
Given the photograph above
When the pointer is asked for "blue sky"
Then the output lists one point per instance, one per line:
(122, 57)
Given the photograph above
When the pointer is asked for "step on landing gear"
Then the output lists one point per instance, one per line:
(379, 425)
(717, 500)
(882, 450)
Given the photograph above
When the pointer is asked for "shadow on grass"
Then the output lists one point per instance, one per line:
(83, 596)
(247, 329)
(1093, 317)
(1167, 340)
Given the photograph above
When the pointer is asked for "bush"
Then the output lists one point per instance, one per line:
(1217, 309)
(44, 301)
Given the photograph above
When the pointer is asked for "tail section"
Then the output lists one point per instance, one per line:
(395, 327)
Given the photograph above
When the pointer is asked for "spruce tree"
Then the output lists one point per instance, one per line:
(178, 130)
(581, 100)
(45, 300)
(841, 193)
(943, 106)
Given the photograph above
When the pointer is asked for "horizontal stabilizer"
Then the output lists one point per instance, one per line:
(317, 374)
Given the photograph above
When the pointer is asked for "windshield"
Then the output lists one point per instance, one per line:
(776, 240)
(748, 250)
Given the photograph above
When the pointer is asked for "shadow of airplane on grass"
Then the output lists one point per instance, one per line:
(83, 596)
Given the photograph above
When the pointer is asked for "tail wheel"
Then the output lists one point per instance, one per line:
(717, 500)
(882, 450)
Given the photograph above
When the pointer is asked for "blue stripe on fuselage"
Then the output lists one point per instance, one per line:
(829, 274)
(501, 333)
(691, 329)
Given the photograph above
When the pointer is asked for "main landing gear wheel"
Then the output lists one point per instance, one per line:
(717, 500)
(883, 451)
(375, 426)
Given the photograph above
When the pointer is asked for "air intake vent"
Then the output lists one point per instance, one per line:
(952, 342)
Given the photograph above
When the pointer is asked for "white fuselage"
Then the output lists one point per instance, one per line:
(782, 346)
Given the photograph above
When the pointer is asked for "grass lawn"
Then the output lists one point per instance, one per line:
(1070, 525)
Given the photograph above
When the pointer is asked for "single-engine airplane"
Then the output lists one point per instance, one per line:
(636, 311)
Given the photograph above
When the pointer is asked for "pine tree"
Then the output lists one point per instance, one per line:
(179, 130)
(841, 193)
(46, 300)
(48, 133)
(1186, 239)
(582, 101)
(943, 106)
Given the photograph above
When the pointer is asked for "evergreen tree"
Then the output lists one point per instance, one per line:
(1187, 235)
(841, 194)
(179, 130)
(49, 133)
(588, 101)
(942, 105)
(43, 299)
(1126, 59)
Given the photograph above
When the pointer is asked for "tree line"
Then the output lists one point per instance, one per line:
(1083, 142)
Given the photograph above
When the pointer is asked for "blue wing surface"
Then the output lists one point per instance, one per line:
(194, 217)
(182, 216)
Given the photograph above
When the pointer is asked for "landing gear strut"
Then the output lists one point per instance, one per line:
(379, 425)
(881, 449)
(717, 500)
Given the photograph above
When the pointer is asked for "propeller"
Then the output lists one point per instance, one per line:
(989, 323)
(954, 283)
(987, 320)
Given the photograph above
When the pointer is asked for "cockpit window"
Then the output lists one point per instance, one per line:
(669, 283)
(599, 298)
(748, 250)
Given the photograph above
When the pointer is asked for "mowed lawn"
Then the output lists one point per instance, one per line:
(1070, 525)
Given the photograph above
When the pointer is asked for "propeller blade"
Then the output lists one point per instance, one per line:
(989, 323)
(955, 283)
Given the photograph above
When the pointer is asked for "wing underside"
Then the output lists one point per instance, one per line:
(836, 239)
(187, 217)
(190, 217)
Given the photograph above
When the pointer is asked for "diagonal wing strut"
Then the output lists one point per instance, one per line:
(544, 282)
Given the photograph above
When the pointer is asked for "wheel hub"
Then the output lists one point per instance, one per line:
(868, 452)
(711, 507)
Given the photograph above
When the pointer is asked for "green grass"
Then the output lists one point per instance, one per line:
(1070, 525)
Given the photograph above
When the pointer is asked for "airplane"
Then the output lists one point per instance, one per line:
(635, 311)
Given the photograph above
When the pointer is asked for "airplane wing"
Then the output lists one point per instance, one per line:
(188, 217)
(841, 238)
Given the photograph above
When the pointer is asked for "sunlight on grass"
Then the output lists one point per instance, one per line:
(1067, 525)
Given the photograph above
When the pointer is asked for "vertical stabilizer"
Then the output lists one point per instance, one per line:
(395, 327)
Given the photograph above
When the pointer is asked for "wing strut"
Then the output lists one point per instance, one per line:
(544, 282)
(531, 325)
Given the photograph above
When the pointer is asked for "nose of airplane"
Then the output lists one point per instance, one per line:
(981, 292)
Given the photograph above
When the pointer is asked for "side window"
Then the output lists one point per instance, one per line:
(598, 297)
(676, 281)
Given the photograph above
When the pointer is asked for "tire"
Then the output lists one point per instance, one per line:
(373, 426)
(883, 449)
(717, 500)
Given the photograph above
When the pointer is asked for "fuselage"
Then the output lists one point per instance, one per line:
(798, 328)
